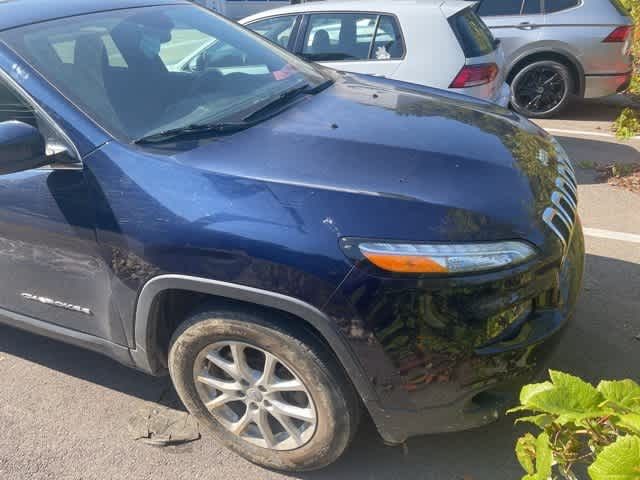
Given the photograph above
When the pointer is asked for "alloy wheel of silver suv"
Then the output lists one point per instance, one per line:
(541, 89)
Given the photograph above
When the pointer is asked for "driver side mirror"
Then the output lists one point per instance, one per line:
(22, 147)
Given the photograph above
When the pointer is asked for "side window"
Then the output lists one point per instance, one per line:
(552, 6)
(388, 43)
(339, 36)
(493, 8)
(13, 107)
(277, 29)
(532, 7)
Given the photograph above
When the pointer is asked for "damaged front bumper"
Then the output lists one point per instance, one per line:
(451, 354)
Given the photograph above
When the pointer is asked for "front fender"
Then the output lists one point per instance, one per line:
(145, 356)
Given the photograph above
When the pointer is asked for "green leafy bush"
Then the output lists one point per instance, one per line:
(628, 124)
(581, 425)
(633, 6)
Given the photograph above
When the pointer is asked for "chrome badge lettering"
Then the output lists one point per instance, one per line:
(56, 303)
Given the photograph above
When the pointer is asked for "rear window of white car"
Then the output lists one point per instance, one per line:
(474, 36)
(351, 37)
(276, 29)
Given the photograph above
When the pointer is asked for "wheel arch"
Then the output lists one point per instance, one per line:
(146, 354)
(546, 52)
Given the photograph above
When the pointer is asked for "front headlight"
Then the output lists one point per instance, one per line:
(446, 258)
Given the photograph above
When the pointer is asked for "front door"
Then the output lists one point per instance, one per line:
(50, 268)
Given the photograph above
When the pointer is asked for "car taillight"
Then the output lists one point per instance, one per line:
(474, 75)
(619, 35)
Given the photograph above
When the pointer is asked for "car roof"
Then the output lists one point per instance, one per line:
(449, 7)
(15, 13)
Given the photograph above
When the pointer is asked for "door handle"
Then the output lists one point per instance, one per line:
(526, 26)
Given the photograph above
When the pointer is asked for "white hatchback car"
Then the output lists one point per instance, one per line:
(437, 43)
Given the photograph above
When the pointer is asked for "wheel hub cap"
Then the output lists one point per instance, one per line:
(255, 395)
(540, 90)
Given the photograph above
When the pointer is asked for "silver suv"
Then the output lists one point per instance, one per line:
(557, 49)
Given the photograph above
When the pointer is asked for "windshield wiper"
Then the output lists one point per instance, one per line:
(193, 129)
(212, 129)
(286, 96)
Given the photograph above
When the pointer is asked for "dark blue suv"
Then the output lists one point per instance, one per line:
(295, 246)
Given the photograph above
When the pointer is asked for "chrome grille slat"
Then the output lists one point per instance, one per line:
(563, 184)
(561, 215)
(568, 174)
(548, 216)
(567, 163)
(557, 197)
(568, 191)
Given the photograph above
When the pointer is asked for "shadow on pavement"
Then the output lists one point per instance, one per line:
(585, 153)
(597, 110)
(599, 343)
(82, 364)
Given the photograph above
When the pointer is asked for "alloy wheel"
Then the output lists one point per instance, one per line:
(255, 395)
(540, 90)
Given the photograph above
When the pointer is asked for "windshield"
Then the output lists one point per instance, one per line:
(146, 70)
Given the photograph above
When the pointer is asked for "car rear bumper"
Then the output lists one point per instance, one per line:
(500, 96)
(503, 96)
(597, 86)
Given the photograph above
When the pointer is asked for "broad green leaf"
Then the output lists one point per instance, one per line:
(541, 421)
(544, 457)
(625, 393)
(529, 391)
(618, 461)
(535, 456)
(631, 422)
(526, 452)
(519, 408)
(572, 384)
(570, 398)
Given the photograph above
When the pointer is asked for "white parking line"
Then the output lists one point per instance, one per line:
(584, 133)
(625, 237)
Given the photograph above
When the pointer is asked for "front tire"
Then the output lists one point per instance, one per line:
(541, 89)
(275, 397)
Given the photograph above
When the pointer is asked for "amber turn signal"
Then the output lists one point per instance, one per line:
(404, 263)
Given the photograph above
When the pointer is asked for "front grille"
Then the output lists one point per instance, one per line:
(561, 215)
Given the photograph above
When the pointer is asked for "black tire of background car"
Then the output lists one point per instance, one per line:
(548, 81)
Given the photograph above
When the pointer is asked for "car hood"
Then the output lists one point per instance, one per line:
(466, 164)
